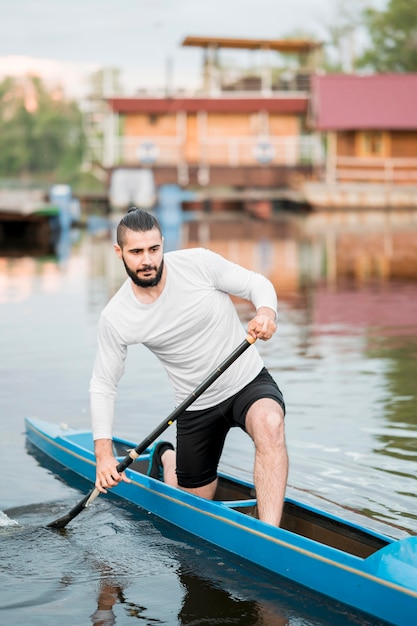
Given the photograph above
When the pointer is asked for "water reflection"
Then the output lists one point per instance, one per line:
(202, 597)
(203, 601)
(170, 214)
(111, 593)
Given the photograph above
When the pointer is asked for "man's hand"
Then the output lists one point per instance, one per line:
(107, 475)
(263, 325)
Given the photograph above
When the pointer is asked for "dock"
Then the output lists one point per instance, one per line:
(26, 217)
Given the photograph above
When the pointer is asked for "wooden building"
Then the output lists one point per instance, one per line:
(221, 140)
(370, 127)
(240, 132)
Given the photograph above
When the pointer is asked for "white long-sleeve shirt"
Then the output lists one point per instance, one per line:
(192, 327)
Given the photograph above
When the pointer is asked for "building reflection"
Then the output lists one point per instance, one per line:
(25, 268)
(322, 248)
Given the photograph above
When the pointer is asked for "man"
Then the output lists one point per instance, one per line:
(178, 305)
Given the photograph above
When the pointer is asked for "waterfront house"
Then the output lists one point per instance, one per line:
(369, 124)
(243, 131)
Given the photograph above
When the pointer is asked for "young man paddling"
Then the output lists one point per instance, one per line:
(178, 305)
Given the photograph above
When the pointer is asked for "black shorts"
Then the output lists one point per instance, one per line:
(201, 434)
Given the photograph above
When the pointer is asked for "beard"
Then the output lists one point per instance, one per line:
(145, 282)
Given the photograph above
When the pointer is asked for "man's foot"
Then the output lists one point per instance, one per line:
(155, 469)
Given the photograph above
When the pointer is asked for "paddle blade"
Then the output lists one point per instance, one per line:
(65, 519)
(61, 522)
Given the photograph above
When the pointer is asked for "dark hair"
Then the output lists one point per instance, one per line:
(137, 220)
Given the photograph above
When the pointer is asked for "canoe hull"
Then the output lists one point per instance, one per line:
(381, 582)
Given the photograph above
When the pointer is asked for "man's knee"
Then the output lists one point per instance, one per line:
(265, 421)
(206, 491)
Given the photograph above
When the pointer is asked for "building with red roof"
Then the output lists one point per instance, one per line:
(370, 126)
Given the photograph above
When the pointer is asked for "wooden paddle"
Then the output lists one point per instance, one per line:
(141, 447)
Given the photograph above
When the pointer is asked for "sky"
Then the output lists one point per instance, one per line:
(66, 40)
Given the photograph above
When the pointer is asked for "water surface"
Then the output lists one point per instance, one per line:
(345, 357)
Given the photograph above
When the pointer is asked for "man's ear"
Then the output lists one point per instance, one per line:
(118, 250)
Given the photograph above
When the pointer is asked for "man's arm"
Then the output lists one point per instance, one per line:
(108, 368)
(239, 281)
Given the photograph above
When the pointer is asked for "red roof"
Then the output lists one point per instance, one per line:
(348, 102)
(295, 105)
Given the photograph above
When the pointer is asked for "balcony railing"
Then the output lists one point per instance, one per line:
(219, 151)
(237, 151)
(375, 170)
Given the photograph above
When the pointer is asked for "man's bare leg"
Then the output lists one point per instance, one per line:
(168, 459)
(265, 424)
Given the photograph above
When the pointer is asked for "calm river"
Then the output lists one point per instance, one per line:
(345, 356)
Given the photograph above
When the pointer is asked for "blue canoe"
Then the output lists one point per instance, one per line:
(366, 570)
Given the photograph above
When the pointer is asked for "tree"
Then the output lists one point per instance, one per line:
(393, 37)
(340, 53)
(40, 131)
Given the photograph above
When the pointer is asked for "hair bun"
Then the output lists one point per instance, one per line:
(133, 208)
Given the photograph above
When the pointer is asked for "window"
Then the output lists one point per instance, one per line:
(373, 143)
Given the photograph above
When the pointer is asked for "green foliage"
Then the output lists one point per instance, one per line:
(340, 53)
(40, 131)
(393, 35)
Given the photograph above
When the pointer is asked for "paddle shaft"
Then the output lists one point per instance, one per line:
(143, 445)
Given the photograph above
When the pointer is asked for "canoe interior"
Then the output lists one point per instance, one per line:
(297, 519)
(306, 523)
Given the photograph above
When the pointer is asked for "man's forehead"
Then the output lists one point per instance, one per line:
(143, 239)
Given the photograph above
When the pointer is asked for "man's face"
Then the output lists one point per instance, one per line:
(142, 255)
